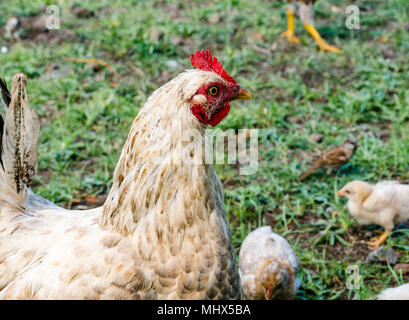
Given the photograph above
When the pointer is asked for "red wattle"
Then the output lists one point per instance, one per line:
(200, 113)
(217, 117)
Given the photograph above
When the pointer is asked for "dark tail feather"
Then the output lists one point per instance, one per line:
(5, 93)
(20, 137)
(305, 175)
(6, 97)
(1, 138)
(309, 172)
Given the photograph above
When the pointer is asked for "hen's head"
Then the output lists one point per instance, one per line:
(213, 89)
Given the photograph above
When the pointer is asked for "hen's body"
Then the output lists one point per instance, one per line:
(304, 8)
(69, 256)
(162, 233)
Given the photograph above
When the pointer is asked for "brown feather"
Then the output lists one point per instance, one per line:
(311, 170)
(336, 156)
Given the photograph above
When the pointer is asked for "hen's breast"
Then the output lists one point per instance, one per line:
(192, 263)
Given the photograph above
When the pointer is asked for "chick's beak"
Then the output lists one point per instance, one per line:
(242, 94)
(341, 193)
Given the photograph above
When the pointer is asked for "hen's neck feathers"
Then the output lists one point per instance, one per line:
(161, 171)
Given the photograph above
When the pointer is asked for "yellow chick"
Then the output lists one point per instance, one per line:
(385, 204)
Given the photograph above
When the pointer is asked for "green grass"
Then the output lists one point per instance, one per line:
(362, 92)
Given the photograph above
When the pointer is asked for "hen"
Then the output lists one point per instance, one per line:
(268, 266)
(333, 158)
(385, 203)
(162, 232)
(304, 9)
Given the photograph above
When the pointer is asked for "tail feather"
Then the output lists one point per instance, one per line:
(5, 93)
(6, 97)
(8, 195)
(310, 171)
(306, 174)
(20, 139)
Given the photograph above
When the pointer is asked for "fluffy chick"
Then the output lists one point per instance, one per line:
(333, 158)
(385, 204)
(268, 266)
(398, 293)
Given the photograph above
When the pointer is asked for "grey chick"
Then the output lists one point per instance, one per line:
(268, 266)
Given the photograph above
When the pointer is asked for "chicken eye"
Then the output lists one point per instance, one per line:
(213, 91)
(347, 191)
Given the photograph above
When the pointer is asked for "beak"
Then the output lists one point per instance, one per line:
(242, 94)
(341, 193)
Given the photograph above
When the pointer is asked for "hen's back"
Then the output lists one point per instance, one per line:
(27, 239)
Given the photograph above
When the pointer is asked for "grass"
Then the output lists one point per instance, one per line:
(298, 91)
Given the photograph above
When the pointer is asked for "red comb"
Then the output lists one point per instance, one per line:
(203, 60)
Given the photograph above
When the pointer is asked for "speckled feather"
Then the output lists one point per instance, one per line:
(20, 137)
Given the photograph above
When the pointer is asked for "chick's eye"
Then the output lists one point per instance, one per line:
(347, 191)
(213, 91)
